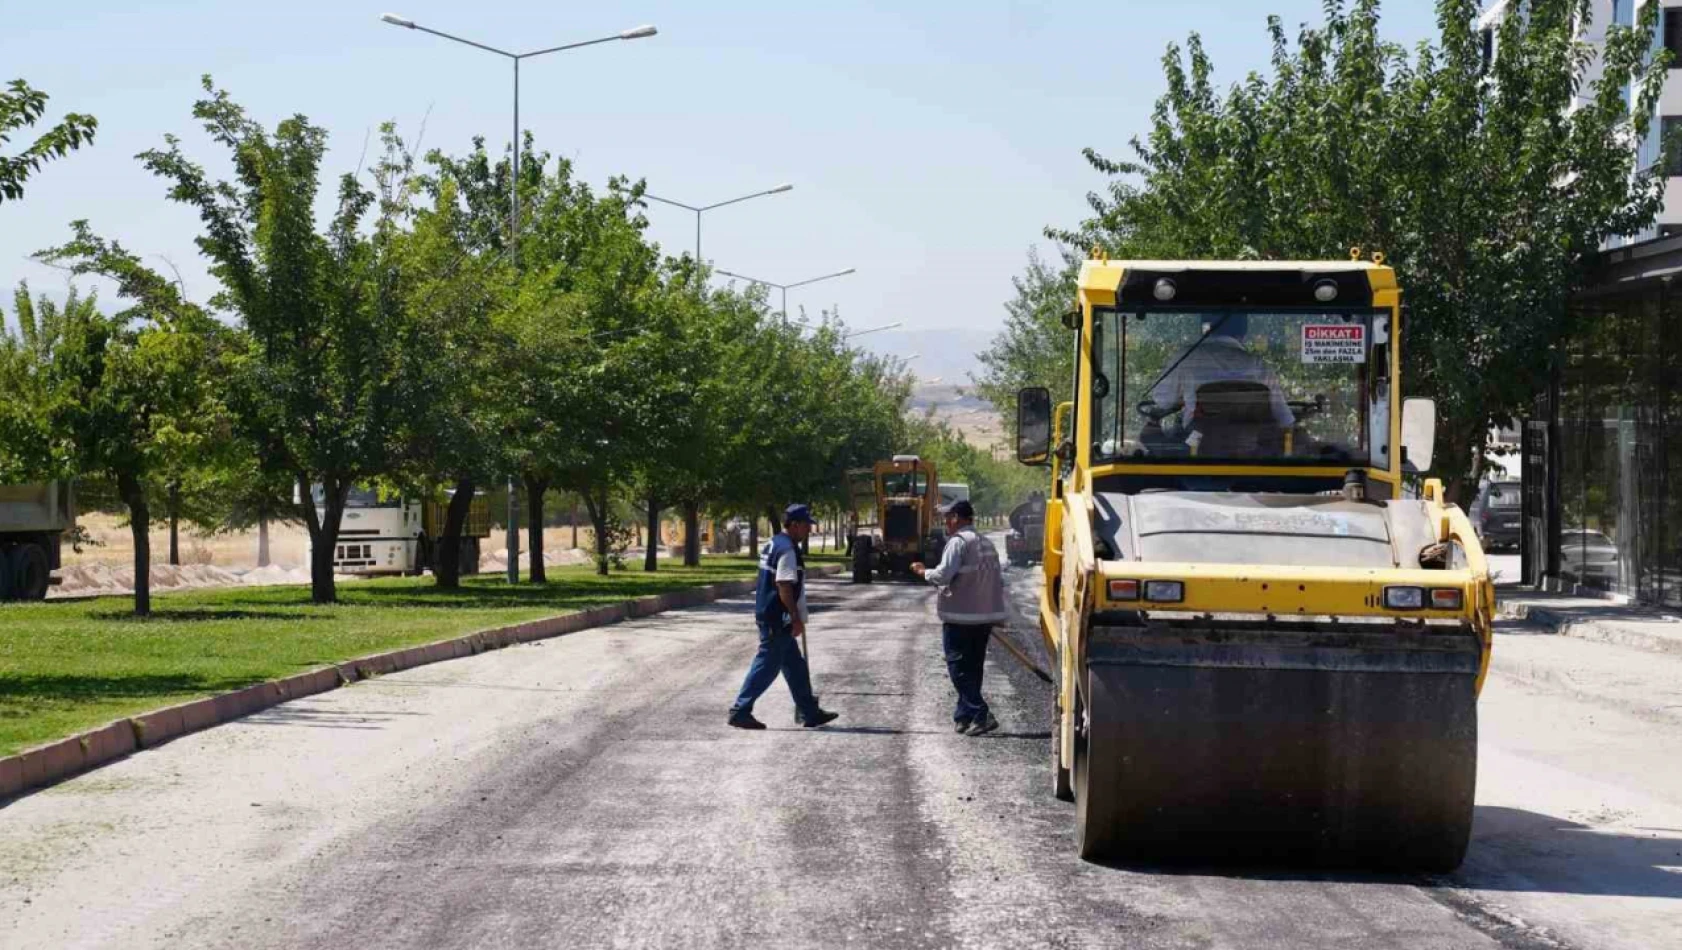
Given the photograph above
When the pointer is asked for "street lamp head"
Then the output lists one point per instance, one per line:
(637, 33)
(849, 270)
(396, 20)
(780, 189)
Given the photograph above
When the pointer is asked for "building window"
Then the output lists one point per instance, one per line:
(1669, 145)
(1623, 12)
(1671, 27)
(1486, 39)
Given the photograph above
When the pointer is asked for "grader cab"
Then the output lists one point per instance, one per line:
(1264, 651)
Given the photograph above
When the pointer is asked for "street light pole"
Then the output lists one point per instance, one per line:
(636, 33)
(785, 288)
(885, 326)
(700, 209)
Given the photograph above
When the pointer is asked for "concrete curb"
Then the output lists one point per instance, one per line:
(42, 766)
(1590, 629)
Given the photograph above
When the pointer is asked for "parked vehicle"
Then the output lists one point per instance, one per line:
(1589, 556)
(33, 519)
(392, 534)
(1496, 514)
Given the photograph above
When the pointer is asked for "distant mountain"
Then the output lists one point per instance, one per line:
(971, 416)
(946, 355)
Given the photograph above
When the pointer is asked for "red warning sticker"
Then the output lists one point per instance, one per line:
(1334, 343)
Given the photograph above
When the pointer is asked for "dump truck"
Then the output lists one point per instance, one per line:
(896, 524)
(1264, 651)
(33, 520)
(388, 533)
(1025, 540)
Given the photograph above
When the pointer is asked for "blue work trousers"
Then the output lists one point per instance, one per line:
(966, 658)
(779, 652)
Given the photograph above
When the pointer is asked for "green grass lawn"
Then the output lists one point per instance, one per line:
(71, 665)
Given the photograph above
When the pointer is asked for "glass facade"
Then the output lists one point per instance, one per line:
(1616, 518)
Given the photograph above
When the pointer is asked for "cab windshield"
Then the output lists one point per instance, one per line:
(905, 483)
(1206, 386)
(358, 497)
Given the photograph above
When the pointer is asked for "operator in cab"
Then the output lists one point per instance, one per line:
(1229, 378)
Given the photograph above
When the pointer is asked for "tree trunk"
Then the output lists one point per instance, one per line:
(324, 535)
(575, 523)
(691, 534)
(140, 526)
(753, 536)
(262, 542)
(447, 572)
(174, 525)
(651, 554)
(598, 521)
(536, 488)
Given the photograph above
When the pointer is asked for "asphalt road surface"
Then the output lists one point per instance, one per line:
(586, 792)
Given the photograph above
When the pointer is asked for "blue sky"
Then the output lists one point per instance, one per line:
(928, 142)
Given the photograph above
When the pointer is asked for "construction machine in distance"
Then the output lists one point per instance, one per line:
(1025, 541)
(33, 521)
(388, 533)
(901, 497)
(1264, 652)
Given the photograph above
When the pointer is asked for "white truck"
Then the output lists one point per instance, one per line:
(952, 492)
(393, 534)
(33, 519)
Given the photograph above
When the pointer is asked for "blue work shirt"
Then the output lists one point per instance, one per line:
(780, 560)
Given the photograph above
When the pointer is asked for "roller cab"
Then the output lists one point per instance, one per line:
(1270, 627)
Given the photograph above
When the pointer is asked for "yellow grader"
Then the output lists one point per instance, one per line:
(900, 497)
(1265, 649)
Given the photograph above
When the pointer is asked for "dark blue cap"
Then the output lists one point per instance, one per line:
(797, 512)
(961, 508)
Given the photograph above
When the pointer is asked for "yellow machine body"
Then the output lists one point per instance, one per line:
(1256, 707)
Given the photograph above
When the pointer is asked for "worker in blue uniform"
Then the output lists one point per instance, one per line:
(779, 608)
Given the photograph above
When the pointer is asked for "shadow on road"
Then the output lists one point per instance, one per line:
(1512, 850)
(294, 714)
(1518, 850)
(891, 731)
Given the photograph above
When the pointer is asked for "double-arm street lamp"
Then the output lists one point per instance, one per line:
(702, 209)
(636, 33)
(785, 288)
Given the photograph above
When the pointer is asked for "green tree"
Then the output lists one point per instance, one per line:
(1486, 185)
(133, 393)
(314, 389)
(586, 307)
(1034, 348)
(453, 434)
(21, 107)
(30, 449)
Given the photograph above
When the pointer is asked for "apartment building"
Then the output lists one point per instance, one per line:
(1667, 34)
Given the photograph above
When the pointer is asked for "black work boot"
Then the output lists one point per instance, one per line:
(745, 720)
(819, 718)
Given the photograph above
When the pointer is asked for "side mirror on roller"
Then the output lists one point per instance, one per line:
(1419, 433)
(1033, 425)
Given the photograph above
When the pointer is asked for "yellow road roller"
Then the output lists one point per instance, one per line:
(1270, 627)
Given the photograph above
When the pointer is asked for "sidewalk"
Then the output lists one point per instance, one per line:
(1616, 656)
(1642, 627)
